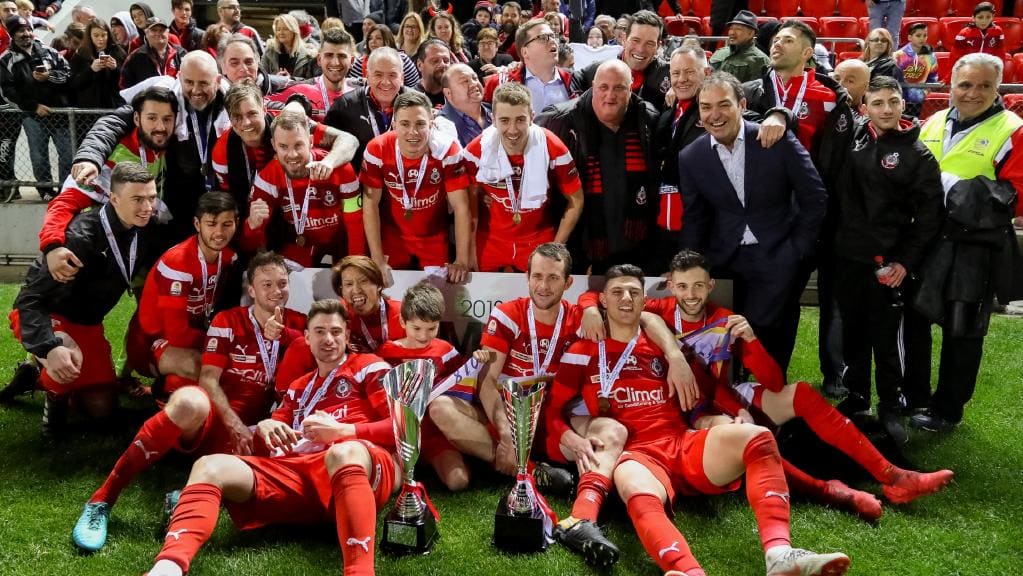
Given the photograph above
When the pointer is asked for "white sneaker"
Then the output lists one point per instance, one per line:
(165, 568)
(784, 561)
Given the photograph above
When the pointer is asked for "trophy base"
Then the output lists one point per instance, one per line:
(409, 536)
(519, 533)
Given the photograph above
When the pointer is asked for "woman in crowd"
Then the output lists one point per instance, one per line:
(411, 34)
(877, 53)
(488, 60)
(380, 36)
(444, 27)
(287, 54)
(211, 38)
(123, 30)
(96, 68)
(595, 38)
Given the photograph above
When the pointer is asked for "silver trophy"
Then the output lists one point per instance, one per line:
(410, 526)
(520, 522)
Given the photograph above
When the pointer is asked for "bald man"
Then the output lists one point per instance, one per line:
(463, 103)
(606, 124)
(854, 75)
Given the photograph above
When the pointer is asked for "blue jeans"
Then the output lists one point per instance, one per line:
(39, 132)
(888, 15)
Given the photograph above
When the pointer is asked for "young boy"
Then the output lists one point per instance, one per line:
(421, 312)
(917, 62)
(981, 35)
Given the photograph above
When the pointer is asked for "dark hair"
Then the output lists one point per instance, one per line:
(385, 33)
(564, 51)
(129, 172)
(328, 307)
(422, 301)
(687, 260)
(915, 26)
(802, 28)
(236, 38)
(513, 94)
(363, 264)
(623, 271)
(522, 33)
(555, 251)
(88, 49)
(154, 94)
(240, 92)
(646, 18)
(878, 83)
(421, 52)
(983, 7)
(264, 259)
(180, 3)
(214, 203)
(724, 80)
(338, 36)
(411, 99)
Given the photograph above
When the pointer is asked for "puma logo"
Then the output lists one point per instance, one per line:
(783, 495)
(664, 551)
(176, 534)
(364, 543)
(145, 452)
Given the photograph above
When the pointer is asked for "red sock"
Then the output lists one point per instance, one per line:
(356, 512)
(835, 429)
(157, 435)
(659, 535)
(766, 490)
(194, 520)
(802, 483)
(593, 488)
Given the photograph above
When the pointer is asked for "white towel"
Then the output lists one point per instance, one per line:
(440, 141)
(220, 124)
(495, 167)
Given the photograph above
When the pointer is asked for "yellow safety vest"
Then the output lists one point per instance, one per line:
(974, 153)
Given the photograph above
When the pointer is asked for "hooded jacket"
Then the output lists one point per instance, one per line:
(20, 87)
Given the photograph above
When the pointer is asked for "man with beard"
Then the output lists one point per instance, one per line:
(538, 48)
(740, 57)
(335, 60)
(463, 103)
(230, 13)
(366, 112)
(432, 60)
(320, 218)
(511, 17)
(156, 57)
(649, 79)
(155, 112)
(241, 350)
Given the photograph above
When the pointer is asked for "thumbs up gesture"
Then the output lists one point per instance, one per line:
(274, 326)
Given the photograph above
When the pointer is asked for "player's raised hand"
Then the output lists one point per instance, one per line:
(319, 170)
(322, 427)
(458, 272)
(277, 434)
(483, 355)
(259, 211)
(593, 324)
(274, 327)
(62, 264)
(739, 327)
(84, 173)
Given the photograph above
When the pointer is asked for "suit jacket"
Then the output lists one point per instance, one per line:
(785, 199)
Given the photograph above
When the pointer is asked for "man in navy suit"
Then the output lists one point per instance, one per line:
(754, 211)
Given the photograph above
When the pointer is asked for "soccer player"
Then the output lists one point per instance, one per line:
(422, 309)
(321, 216)
(165, 336)
(689, 309)
(622, 378)
(517, 214)
(235, 391)
(341, 405)
(61, 323)
(421, 171)
(373, 317)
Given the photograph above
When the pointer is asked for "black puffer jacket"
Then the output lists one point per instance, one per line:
(351, 113)
(655, 82)
(91, 89)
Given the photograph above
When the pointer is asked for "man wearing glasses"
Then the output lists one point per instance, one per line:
(230, 13)
(538, 47)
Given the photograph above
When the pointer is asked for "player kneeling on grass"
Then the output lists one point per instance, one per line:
(331, 430)
(235, 391)
(421, 311)
(622, 377)
(61, 323)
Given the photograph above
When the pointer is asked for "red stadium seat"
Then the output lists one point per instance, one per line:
(1017, 60)
(932, 103)
(1008, 71)
(809, 21)
(681, 25)
(842, 56)
(841, 27)
(1013, 29)
(944, 65)
(933, 8)
(762, 19)
(852, 8)
(1013, 102)
(965, 7)
(933, 29)
(707, 26)
(699, 8)
(779, 8)
(817, 8)
(950, 26)
(864, 26)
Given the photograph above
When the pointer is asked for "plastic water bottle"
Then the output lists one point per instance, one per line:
(882, 270)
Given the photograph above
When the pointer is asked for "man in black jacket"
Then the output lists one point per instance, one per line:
(889, 206)
(61, 324)
(156, 57)
(184, 26)
(609, 131)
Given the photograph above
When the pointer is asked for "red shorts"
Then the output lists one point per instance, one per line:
(494, 253)
(97, 366)
(296, 489)
(401, 249)
(677, 463)
(143, 350)
(214, 437)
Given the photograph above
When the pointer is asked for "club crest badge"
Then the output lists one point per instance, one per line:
(175, 288)
(641, 196)
(657, 367)
(890, 161)
(343, 388)
(804, 111)
(435, 176)
(329, 199)
(842, 124)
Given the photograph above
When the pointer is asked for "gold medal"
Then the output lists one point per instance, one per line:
(408, 214)
(300, 240)
(516, 219)
(603, 405)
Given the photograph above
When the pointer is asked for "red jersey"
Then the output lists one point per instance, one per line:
(443, 174)
(813, 108)
(232, 346)
(179, 294)
(257, 157)
(971, 39)
(316, 90)
(638, 398)
(355, 395)
(332, 224)
(498, 218)
(508, 332)
(444, 356)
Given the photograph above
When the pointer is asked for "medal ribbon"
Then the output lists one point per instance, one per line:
(132, 250)
(781, 94)
(207, 302)
(300, 220)
(516, 202)
(305, 403)
(607, 381)
(370, 341)
(406, 202)
(538, 368)
(204, 148)
(269, 358)
(322, 83)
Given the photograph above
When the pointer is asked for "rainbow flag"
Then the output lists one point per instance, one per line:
(710, 345)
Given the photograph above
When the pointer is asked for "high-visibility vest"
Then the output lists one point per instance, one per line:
(974, 152)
